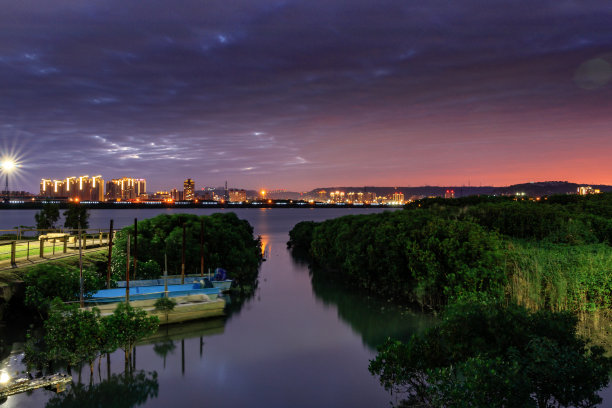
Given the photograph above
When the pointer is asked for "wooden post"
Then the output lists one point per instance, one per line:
(65, 243)
(53, 252)
(84, 239)
(81, 269)
(202, 248)
(28, 253)
(13, 250)
(100, 240)
(110, 254)
(41, 246)
(135, 246)
(166, 276)
(127, 272)
(183, 256)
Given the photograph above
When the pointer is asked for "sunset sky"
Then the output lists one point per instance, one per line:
(304, 94)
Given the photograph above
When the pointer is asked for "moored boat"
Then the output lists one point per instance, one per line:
(192, 301)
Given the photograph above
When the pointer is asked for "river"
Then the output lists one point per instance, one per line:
(296, 343)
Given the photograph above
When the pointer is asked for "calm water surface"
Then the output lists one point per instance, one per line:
(296, 343)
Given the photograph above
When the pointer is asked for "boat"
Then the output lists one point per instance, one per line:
(221, 283)
(146, 292)
(192, 301)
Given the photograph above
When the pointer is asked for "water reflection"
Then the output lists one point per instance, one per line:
(124, 390)
(374, 320)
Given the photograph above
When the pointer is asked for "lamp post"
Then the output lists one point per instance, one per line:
(7, 167)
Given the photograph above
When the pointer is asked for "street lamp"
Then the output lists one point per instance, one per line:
(7, 167)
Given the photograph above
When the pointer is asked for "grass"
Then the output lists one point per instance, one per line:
(561, 277)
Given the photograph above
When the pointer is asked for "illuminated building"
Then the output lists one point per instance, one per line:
(83, 188)
(125, 188)
(176, 195)
(449, 194)
(369, 197)
(189, 190)
(398, 197)
(46, 188)
(336, 196)
(237, 195)
(161, 195)
(586, 190)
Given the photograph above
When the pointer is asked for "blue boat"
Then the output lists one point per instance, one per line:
(223, 284)
(152, 292)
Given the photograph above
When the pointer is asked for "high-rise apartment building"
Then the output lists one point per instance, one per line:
(125, 188)
(83, 188)
(398, 197)
(189, 190)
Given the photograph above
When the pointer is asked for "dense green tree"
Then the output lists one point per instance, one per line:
(491, 355)
(73, 335)
(47, 217)
(76, 217)
(45, 282)
(228, 244)
(408, 255)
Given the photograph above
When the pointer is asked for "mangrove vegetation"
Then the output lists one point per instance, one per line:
(510, 277)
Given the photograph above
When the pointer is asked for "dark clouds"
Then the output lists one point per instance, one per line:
(298, 94)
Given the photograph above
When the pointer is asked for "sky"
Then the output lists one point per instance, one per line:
(305, 94)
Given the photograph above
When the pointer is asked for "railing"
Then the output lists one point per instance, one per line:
(27, 243)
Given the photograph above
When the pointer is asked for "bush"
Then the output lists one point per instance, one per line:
(228, 244)
(47, 281)
(408, 255)
(485, 354)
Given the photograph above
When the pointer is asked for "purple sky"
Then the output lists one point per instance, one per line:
(302, 94)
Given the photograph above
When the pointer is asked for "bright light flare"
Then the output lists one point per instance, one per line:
(4, 378)
(8, 165)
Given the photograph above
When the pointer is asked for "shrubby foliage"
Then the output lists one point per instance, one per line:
(414, 256)
(552, 254)
(72, 335)
(491, 355)
(45, 282)
(228, 243)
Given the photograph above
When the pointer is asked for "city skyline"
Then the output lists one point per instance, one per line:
(300, 95)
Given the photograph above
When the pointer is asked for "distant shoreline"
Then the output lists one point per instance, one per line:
(185, 204)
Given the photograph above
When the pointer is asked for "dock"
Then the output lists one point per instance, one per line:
(24, 384)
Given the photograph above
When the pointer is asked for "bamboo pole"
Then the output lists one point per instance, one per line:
(135, 246)
(81, 269)
(202, 248)
(110, 254)
(166, 277)
(127, 273)
(183, 256)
